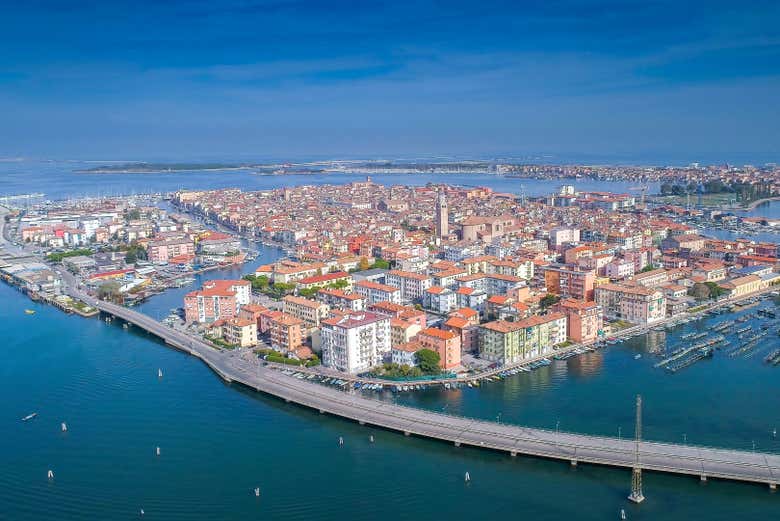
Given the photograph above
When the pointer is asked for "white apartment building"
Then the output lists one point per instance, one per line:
(373, 292)
(412, 285)
(355, 342)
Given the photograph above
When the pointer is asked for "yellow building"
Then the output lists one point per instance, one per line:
(743, 285)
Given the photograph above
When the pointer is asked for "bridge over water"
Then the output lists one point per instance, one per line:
(702, 462)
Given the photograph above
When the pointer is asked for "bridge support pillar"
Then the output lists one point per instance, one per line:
(573, 463)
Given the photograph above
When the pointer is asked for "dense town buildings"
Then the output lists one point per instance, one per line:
(494, 274)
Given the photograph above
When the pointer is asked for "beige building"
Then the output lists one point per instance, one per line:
(310, 311)
(743, 285)
(635, 304)
(241, 332)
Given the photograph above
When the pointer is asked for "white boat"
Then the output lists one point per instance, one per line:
(257, 491)
(159, 373)
(29, 417)
(64, 427)
(467, 477)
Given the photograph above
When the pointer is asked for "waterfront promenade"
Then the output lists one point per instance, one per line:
(702, 462)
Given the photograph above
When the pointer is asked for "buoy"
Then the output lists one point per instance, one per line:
(622, 513)
(257, 491)
(158, 451)
(159, 373)
(467, 477)
(371, 438)
(50, 474)
(64, 427)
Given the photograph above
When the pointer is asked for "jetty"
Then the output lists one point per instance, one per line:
(514, 440)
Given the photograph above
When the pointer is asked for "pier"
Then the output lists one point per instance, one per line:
(701, 462)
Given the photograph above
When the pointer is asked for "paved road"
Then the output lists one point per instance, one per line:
(664, 457)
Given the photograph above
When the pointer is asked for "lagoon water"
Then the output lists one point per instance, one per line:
(218, 442)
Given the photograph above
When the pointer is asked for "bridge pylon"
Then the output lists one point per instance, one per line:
(636, 495)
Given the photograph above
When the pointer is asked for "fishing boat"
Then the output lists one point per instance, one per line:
(29, 311)
(29, 417)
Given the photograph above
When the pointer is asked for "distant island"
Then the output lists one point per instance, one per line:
(161, 168)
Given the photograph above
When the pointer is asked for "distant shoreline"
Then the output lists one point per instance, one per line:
(158, 170)
(754, 204)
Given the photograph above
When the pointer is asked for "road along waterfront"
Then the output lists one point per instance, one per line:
(663, 457)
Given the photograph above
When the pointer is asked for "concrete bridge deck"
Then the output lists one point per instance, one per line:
(703, 462)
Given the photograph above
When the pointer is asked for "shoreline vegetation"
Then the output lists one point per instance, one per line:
(162, 168)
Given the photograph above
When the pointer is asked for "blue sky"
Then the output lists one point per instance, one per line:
(576, 80)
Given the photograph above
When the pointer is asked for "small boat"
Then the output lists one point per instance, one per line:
(29, 417)
(622, 513)
(50, 474)
(158, 451)
(637, 356)
(29, 311)
(467, 477)
(64, 427)
(341, 441)
(159, 373)
(125, 326)
(142, 511)
(371, 438)
(257, 491)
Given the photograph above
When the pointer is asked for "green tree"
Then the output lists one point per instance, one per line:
(109, 291)
(259, 282)
(428, 361)
(381, 264)
(308, 292)
(700, 291)
(548, 300)
(339, 284)
(715, 290)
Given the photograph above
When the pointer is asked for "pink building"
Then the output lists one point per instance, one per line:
(162, 251)
(445, 343)
(217, 299)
